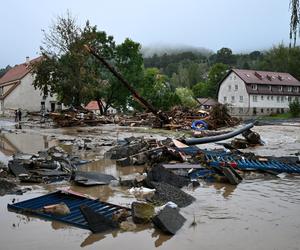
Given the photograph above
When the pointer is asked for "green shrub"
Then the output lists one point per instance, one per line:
(295, 108)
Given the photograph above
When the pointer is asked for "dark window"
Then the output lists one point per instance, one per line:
(52, 106)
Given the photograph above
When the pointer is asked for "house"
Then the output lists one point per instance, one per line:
(93, 106)
(206, 103)
(253, 93)
(17, 91)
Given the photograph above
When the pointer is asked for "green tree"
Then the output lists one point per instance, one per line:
(157, 90)
(4, 70)
(77, 77)
(282, 59)
(295, 108)
(201, 89)
(215, 75)
(186, 97)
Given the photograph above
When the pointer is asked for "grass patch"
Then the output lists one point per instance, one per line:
(279, 116)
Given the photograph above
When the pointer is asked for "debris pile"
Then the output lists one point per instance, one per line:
(46, 166)
(78, 117)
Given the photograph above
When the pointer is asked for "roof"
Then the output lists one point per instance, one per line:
(266, 77)
(17, 72)
(92, 105)
(207, 101)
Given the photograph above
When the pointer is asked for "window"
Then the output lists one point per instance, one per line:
(232, 99)
(296, 89)
(261, 110)
(289, 89)
(234, 77)
(270, 87)
(289, 98)
(280, 88)
(229, 87)
(254, 86)
(241, 98)
(225, 99)
(271, 97)
(236, 87)
(255, 98)
(262, 97)
(268, 97)
(282, 99)
(278, 98)
(241, 110)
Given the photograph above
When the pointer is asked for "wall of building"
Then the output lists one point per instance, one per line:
(26, 97)
(233, 93)
(250, 105)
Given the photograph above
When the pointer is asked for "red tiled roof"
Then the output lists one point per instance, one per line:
(266, 77)
(92, 105)
(17, 72)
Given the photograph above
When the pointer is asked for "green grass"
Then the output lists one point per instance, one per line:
(279, 116)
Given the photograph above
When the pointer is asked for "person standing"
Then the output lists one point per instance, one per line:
(19, 115)
(16, 115)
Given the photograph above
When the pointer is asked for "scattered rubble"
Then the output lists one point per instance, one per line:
(47, 166)
(91, 178)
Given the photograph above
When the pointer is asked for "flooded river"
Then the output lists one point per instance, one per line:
(260, 213)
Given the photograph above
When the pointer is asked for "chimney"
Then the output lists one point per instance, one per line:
(27, 60)
(258, 75)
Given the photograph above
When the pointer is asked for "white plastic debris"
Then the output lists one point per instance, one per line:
(141, 190)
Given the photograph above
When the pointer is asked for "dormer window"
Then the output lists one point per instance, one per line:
(254, 86)
(296, 89)
(289, 89)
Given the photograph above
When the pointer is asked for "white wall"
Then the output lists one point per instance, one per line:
(265, 101)
(228, 90)
(26, 97)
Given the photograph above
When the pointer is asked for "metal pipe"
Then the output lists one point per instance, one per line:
(195, 141)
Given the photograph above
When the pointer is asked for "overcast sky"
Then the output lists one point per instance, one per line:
(242, 25)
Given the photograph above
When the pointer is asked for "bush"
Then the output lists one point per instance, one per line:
(295, 108)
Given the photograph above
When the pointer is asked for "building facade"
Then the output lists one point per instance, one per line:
(17, 91)
(256, 93)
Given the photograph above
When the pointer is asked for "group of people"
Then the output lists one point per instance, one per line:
(18, 115)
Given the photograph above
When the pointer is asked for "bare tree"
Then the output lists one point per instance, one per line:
(61, 34)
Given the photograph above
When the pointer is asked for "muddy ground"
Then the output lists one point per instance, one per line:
(259, 213)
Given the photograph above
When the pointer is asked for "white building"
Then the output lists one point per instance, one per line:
(252, 93)
(17, 91)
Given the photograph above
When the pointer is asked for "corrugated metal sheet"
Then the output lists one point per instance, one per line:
(34, 206)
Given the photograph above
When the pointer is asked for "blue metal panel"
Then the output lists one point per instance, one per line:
(215, 158)
(34, 206)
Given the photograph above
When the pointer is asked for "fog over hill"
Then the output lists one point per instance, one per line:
(161, 49)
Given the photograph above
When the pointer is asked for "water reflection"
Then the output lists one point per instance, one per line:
(225, 189)
(161, 238)
(11, 143)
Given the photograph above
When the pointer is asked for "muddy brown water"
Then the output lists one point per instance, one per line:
(260, 213)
